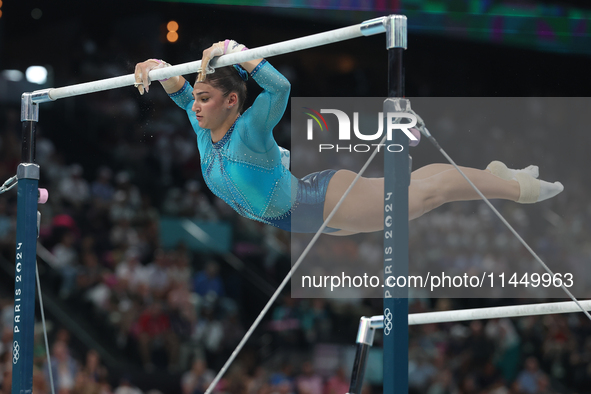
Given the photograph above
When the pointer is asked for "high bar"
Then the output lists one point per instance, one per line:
(488, 313)
(367, 28)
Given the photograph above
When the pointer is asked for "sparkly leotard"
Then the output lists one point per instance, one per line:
(245, 168)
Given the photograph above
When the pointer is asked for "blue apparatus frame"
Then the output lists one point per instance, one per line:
(26, 252)
(396, 172)
(396, 182)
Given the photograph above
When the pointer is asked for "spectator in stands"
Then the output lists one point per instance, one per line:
(90, 273)
(308, 382)
(123, 182)
(126, 387)
(7, 225)
(153, 331)
(197, 379)
(5, 341)
(529, 378)
(63, 367)
(93, 367)
(84, 384)
(208, 331)
(233, 331)
(421, 373)
(338, 383)
(130, 272)
(316, 321)
(101, 189)
(6, 313)
(282, 387)
(124, 235)
(5, 374)
(259, 382)
(208, 283)
(74, 189)
(286, 321)
(478, 345)
(443, 383)
(179, 270)
(157, 271)
(66, 263)
(195, 205)
(173, 202)
(544, 386)
(284, 374)
(121, 208)
(490, 378)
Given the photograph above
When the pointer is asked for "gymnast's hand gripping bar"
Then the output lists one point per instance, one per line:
(367, 28)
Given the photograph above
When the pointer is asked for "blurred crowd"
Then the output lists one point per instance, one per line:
(116, 162)
(535, 354)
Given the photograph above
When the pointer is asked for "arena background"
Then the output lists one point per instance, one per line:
(122, 287)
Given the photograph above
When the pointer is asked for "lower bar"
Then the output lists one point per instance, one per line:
(498, 312)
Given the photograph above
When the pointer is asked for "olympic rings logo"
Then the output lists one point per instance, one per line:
(15, 352)
(387, 321)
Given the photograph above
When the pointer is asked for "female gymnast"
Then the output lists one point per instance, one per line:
(241, 162)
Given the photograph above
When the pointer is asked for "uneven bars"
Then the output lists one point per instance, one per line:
(488, 313)
(367, 28)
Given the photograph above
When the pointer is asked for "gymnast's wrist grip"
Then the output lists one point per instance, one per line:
(161, 64)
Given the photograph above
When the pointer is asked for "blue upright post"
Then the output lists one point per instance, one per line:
(26, 251)
(396, 182)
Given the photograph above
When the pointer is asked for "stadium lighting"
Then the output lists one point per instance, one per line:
(36, 74)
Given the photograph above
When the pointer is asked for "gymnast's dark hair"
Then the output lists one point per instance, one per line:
(228, 80)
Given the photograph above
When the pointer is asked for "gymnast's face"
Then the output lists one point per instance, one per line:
(211, 107)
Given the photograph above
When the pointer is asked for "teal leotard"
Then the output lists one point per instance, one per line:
(245, 167)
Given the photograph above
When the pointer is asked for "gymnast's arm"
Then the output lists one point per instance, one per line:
(250, 65)
(171, 85)
(269, 106)
(178, 89)
(174, 84)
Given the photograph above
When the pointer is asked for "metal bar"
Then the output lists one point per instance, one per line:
(370, 27)
(359, 365)
(396, 182)
(497, 312)
(26, 253)
(29, 143)
(366, 331)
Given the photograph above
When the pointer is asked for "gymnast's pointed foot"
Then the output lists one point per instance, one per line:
(500, 169)
(534, 190)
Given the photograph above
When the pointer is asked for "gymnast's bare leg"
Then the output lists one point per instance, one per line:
(430, 187)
